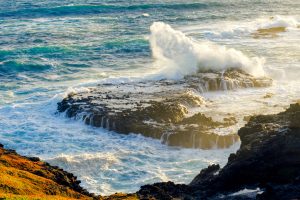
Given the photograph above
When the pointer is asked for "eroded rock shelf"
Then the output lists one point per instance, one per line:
(161, 109)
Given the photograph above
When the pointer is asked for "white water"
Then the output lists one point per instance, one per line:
(179, 55)
(278, 21)
(104, 161)
(231, 29)
(107, 162)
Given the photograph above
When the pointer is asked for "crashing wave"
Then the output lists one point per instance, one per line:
(178, 55)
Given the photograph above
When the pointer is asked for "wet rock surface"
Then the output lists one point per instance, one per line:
(161, 109)
(269, 159)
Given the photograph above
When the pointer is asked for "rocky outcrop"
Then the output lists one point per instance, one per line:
(269, 159)
(230, 79)
(25, 176)
(120, 196)
(268, 32)
(161, 109)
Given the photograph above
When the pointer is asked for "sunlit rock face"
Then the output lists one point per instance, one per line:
(161, 109)
(268, 32)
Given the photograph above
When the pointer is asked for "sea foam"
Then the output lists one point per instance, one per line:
(278, 21)
(247, 28)
(178, 55)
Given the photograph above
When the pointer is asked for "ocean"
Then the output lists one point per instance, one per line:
(51, 48)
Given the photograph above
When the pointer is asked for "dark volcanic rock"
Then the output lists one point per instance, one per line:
(269, 158)
(160, 109)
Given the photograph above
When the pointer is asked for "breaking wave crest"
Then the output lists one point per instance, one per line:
(178, 55)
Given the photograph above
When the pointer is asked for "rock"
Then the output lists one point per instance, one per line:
(34, 159)
(247, 118)
(229, 80)
(161, 109)
(279, 192)
(120, 196)
(20, 175)
(269, 158)
(268, 32)
(165, 191)
(268, 95)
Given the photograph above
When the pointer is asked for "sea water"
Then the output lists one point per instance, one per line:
(50, 48)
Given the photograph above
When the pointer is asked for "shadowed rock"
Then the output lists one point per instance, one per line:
(269, 158)
(160, 109)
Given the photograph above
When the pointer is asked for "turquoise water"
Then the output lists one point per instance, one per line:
(48, 48)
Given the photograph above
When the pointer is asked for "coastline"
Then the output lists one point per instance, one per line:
(149, 99)
(29, 177)
(268, 159)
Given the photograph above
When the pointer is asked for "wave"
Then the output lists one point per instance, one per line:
(97, 9)
(178, 55)
(85, 159)
(33, 51)
(121, 46)
(266, 25)
(178, 6)
(278, 21)
(15, 66)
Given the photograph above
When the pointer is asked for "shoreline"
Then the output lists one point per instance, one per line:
(267, 159)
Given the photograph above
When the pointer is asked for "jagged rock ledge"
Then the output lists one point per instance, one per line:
(269, 159)
(161, 109)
